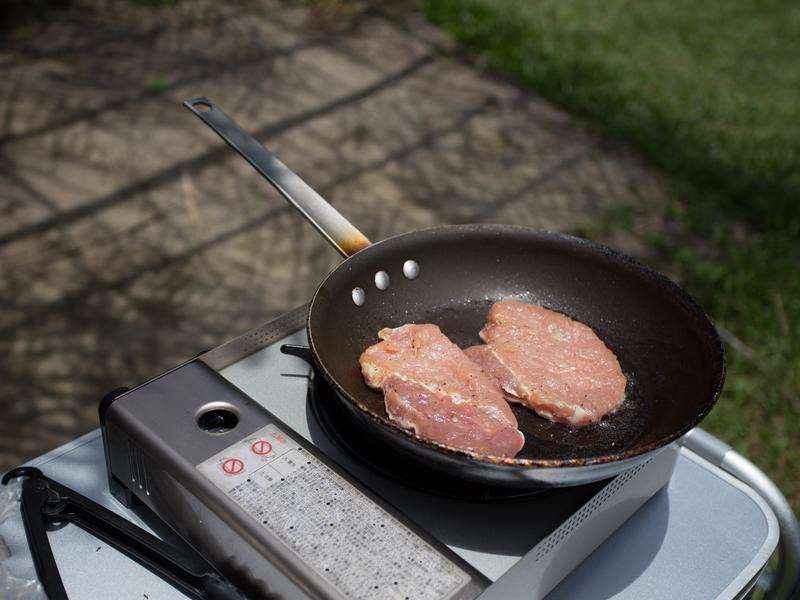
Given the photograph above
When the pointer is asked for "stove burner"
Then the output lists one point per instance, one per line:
(333, 420)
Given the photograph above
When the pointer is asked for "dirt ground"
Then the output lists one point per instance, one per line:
(131, 237)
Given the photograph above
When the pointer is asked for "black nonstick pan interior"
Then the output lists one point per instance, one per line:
(666, 346)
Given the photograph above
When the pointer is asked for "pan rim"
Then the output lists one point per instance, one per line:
(534, 463)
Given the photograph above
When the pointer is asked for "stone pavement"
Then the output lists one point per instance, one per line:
(131, 237)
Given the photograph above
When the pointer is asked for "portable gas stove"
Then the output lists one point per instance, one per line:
(243, 455)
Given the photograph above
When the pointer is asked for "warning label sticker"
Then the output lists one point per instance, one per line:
(354, 544)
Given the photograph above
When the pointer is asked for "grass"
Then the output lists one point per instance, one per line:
(160, 83)
(708, 93)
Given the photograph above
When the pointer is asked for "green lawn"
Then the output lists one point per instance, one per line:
(709, 92)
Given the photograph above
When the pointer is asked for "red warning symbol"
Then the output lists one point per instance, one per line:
(232, 466)
(261, 447)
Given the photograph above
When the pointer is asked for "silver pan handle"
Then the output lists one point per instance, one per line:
(340, 233)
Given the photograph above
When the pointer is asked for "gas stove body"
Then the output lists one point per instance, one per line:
(268, 509)
(251, 481)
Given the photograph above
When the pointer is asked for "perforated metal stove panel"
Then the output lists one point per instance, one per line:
(586, 512)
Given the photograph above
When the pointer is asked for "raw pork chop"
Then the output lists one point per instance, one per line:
(550, 363)
(432, 388)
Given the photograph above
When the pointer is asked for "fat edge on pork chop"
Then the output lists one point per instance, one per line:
(431, 388)
(550, 363)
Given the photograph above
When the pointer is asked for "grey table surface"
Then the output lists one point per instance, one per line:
(705, 535)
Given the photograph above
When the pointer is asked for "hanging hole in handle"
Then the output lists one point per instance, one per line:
(202, 105)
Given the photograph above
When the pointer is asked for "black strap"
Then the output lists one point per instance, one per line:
(47, 502)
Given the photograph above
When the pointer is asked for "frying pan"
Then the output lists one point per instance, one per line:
(666, 346)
